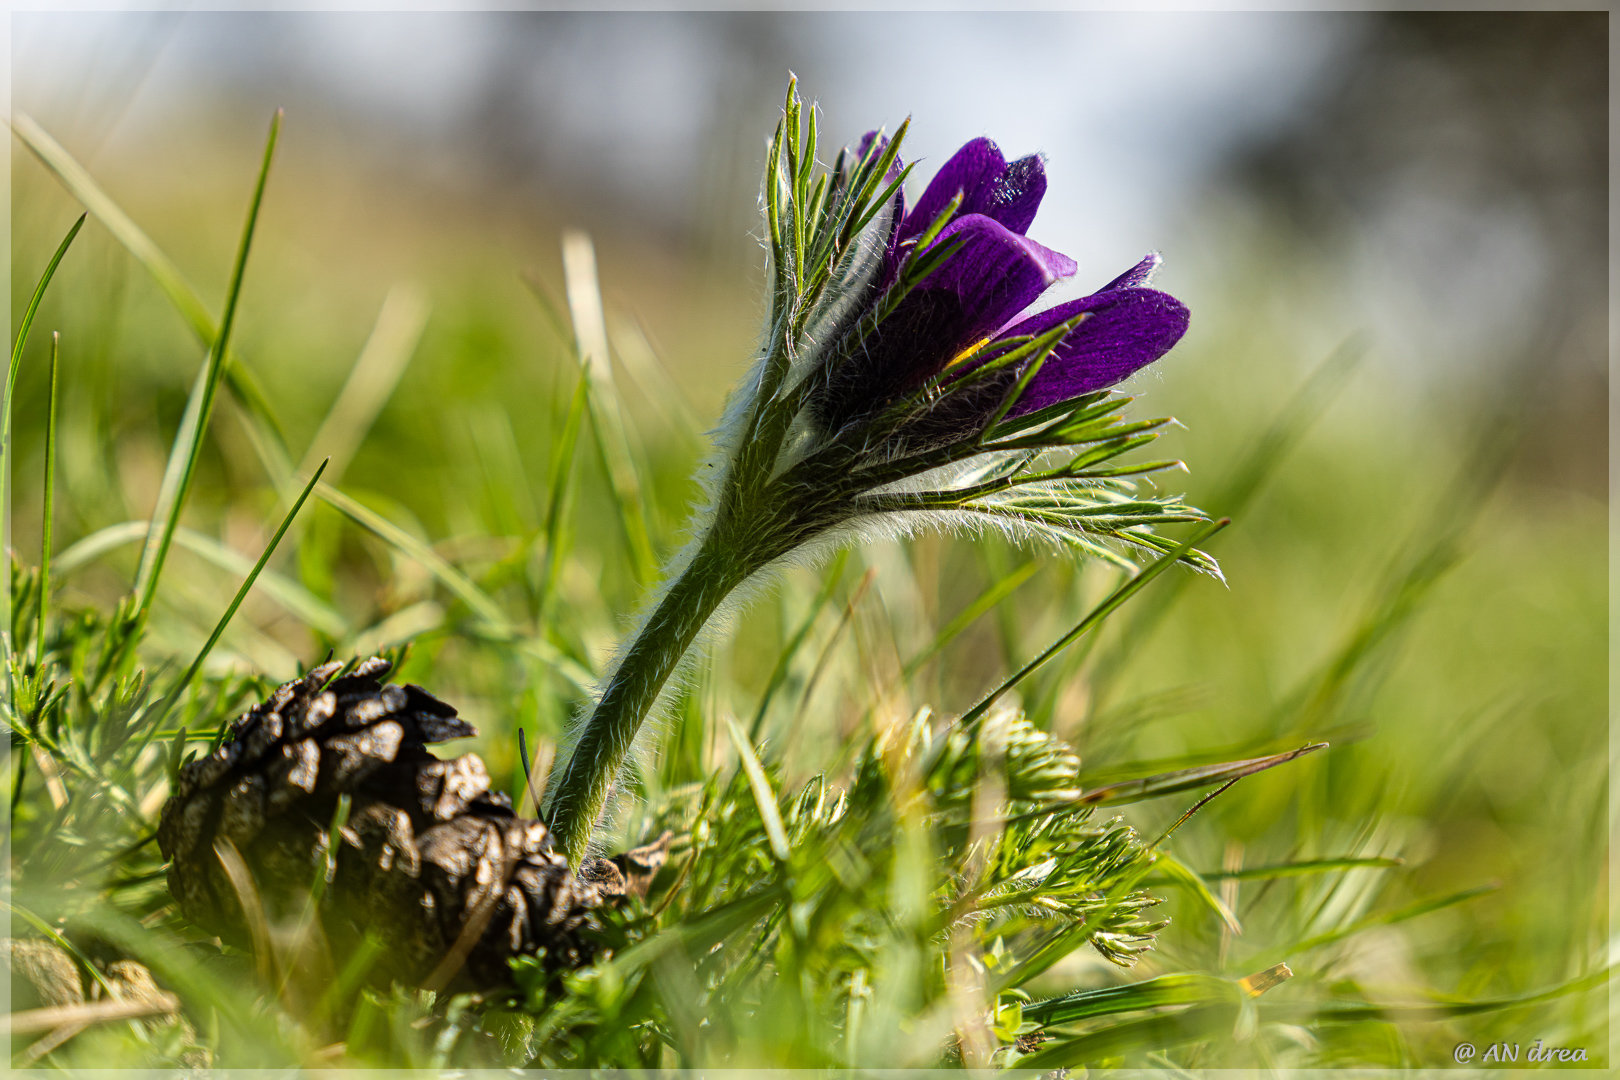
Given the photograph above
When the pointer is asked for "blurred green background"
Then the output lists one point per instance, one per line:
(1391, 231)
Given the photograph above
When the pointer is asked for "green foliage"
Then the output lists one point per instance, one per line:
(799, 925)
(856, 879)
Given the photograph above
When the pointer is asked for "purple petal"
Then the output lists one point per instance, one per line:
(1127, 330)
(1138, 275)
(1005, 193)
(996, 273)
(990, 278)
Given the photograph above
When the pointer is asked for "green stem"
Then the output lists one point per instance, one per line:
(652, 657)
(50, 507)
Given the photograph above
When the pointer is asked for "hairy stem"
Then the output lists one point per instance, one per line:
(634, 687)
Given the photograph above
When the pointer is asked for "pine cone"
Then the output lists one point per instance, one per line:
(428, 851)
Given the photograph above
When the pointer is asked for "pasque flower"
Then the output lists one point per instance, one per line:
(972, 300)
(897, 387)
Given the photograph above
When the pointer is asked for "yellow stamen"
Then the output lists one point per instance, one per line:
(969, 351)
(1261, 981)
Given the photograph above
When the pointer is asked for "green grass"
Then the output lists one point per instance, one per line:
(1402, 585)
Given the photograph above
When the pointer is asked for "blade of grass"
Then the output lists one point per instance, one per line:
(11, 393)
(236, 601)
(534, 791)
(1189, 1025)
(795, 642)
(845, 619)
(1139, 581)
(162, 269)
(55, 937)
(1216, 1021)
(83, 187)
(1293, 869)
(50, 505)
(1152, 787)
(1438, 543)
(607, 420)
(548, 306)
(298, 600)
(764, 797)
(562, 487)
(703, 932)
(1188, 989)
(1269, 452)
(1429, 1012)
(419, 552)
(1112, 772)
(188, 441)
(1385, 918)
(182, 970)
(647, 370)
(1391, 610)
(325, 869)
(387, 352)
(506, 485)
(1178, 873)
(335, 998)
(20, 766)
(18, 345)
(988, 600)
(1192, 810)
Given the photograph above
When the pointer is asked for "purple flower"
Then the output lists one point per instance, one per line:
(978, 293)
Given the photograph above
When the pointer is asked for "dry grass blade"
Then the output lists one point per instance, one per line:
(534, 790)
(247, 894)
(1149, 787)
(48, 1043)
(473, 928)
(83, 1015)
(607, 420)
(51, 776)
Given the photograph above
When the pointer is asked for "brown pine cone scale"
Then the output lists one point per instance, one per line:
(429, 859)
